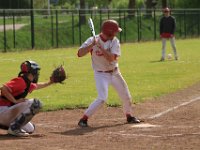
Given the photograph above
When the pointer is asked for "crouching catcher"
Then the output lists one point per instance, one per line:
(16, 111)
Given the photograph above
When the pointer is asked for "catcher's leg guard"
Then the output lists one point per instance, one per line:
(36, 106)
(26, 116)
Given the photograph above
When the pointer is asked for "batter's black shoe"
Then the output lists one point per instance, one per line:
(83, 123)
(131, 119)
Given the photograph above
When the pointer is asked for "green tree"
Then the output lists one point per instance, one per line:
(164, 3)
(188, 4)
(131, 8)
(14, 4)
(82, 12)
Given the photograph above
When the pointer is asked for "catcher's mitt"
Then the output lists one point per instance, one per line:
(58, 75)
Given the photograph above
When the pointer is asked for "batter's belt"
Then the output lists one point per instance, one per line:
(109, 71)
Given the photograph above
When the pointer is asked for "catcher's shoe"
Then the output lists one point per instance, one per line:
(19, 132)
(83, 123)
(132, 120)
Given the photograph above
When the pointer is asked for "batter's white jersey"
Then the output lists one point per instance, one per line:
(99, 62)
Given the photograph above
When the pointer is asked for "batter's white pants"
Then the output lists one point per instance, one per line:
(103, 80)
(173, 45)
(9, 114)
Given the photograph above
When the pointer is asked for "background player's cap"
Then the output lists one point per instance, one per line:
(166, 9)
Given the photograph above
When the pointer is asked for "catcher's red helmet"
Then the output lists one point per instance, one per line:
(30, 67)
(110, 27)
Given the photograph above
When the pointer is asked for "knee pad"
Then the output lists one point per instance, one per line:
(26, 116)
(36, 106)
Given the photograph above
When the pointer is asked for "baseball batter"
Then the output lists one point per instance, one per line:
(105, 51)
(16, 111)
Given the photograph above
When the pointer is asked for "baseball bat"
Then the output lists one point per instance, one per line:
(91, 25)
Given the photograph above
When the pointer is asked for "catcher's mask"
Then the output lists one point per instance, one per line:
(30, 67)
(110, 27)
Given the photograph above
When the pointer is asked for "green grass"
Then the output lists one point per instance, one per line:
(146, 77)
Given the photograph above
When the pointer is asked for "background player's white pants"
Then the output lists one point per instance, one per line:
(172, 41)
(103, 80)
(9, 114)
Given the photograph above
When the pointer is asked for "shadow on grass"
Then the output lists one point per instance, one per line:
(156, 61)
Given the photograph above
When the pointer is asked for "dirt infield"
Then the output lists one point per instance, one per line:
(171, 122)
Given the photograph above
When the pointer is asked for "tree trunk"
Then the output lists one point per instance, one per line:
(82, 18)
(164, 3)
(131, 7)
(149, 7)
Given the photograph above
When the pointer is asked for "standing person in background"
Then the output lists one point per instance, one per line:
(167, 29)
(105, 51)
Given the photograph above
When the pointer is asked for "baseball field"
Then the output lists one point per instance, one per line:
(166, 97)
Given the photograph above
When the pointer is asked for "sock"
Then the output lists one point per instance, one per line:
(85, 117)
(128, 115)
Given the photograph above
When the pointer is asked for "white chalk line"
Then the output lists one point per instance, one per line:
(153, 136)
(161, 113)
(173, 108)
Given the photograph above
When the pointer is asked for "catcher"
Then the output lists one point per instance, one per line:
(16, 111)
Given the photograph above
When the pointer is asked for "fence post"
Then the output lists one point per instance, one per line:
(180, 31)
(32, 29)
(124, 26)
(154, 15)
(91, 13)
(57, 28)
(138, 25)
(79, 25)
(185, 24)
(198, 22)
(4, 30)
(73, 40)
(108, 13)
(140, 20)
(120, 34)
(52, 29)
(14, 40)
(100, 15)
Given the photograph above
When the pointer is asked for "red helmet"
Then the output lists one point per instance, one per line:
(166, 9)
(30, 67)
(110, 27)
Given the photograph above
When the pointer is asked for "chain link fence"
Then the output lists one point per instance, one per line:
(45, 29)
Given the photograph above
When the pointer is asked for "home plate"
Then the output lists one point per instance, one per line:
(145, 125)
